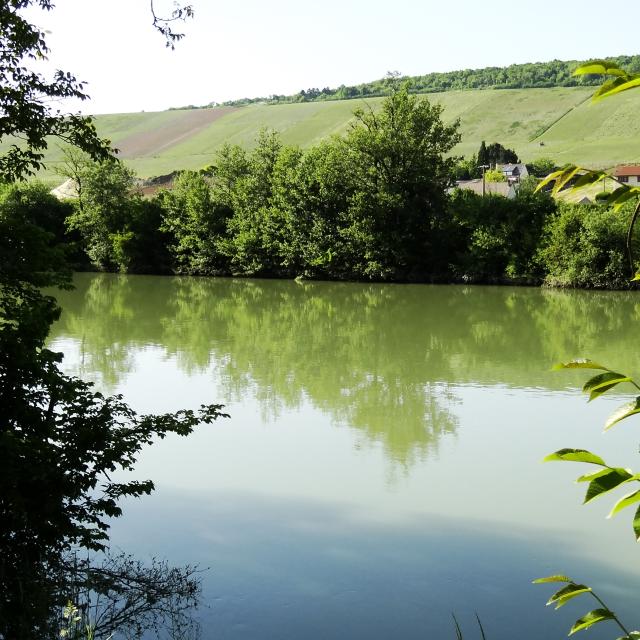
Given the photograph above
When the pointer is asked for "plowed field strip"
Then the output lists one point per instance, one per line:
(186, 124)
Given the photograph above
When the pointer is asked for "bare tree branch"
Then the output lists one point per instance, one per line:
(180, 13)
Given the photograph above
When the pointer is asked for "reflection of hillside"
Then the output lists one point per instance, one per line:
(480, 335)
(381, 358)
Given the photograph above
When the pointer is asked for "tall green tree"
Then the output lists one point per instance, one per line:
(400, 156)
(195, 225)
(483, 158)
(494, 154)
(254, 242)
(104, 210)
(314, 198)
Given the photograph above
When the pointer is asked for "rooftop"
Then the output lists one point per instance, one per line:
(627, 170)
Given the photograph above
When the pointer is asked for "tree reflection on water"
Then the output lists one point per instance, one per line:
(382, 359)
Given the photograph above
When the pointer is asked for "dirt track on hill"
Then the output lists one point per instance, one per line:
(186, 124)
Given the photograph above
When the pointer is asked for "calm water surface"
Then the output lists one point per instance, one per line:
(381, 466)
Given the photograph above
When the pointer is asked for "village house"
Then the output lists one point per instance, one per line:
(514, 172)
(628, 173)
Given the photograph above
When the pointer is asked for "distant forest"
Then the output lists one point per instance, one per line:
(556, 73)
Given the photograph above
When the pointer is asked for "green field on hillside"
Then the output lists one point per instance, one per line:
(561, 123)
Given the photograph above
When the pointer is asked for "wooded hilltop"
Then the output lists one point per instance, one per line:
(556, 73)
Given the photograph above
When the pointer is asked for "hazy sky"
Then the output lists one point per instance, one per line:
(258, 47)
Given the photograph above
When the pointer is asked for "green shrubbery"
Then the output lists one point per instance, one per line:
(494, 238)
(584, 247)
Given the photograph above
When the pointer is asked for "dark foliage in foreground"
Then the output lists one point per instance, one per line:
(60, 440)
(116, 593)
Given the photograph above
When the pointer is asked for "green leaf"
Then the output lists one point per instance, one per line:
(579, 363)
(589, 178)
(634, 192)
(616, 86)
(564, 178)
(626, 410)
(601, 383)
(561, 597)
(608, 86)
(636, 277)
(633, 635)
(591, 618)
(588, 477)
(575, 455)
(606, 482)
(599, 68)
(548, 179)
(636, 524)
(624, 502)
(555, 578)
(621, 195)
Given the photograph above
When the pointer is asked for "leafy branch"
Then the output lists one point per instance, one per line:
(572, 590)
(607, 478)
(600, 482)
(620, 79)
(180, 13)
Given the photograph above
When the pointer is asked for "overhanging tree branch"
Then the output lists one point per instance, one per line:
(180, 13)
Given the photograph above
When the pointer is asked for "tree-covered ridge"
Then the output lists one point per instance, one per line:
(556, 73)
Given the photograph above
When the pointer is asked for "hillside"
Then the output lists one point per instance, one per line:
(560, 123)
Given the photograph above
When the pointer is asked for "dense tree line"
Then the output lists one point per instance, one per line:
(556, 73)
(373, 205)
(207, 226)
(366, 206)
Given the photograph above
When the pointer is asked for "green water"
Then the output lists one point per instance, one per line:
(381, 466)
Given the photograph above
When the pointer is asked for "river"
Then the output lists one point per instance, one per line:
(381, 465)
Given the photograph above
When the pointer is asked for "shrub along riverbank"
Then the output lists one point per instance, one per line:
(370, 206)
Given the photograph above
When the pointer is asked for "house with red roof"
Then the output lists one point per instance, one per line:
(628, 173)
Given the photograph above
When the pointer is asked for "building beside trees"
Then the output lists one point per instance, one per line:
(628, 173)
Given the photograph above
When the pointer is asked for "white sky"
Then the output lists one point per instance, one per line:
(254, 47)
